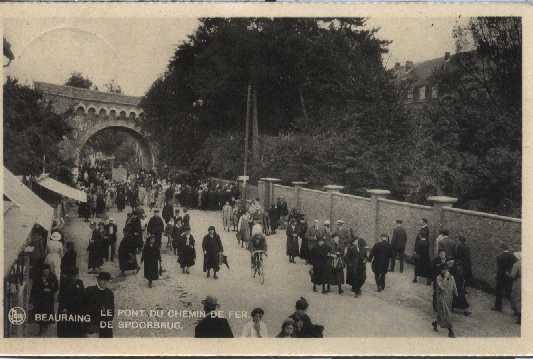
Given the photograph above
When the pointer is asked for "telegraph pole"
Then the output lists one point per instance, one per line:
(246, 135)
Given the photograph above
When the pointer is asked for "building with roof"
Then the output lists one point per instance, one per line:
(90, 112)
(421, 88)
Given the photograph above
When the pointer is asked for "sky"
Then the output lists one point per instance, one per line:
(135, 52)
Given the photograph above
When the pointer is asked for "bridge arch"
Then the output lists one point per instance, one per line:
(148, 156)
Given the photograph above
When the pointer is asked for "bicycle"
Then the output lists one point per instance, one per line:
(257, 266)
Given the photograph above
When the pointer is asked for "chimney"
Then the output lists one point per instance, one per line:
(408, 65)
(447, 56)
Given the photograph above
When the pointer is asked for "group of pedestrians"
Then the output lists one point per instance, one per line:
(296, 325)
(81, 311)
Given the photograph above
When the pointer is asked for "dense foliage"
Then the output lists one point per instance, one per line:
(329, 112)
(32, 133)
(77, 79)
(469, 144)
(321, 87)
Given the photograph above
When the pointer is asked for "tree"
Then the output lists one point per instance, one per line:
(77, 79)
(470, 143)
(113, 87)
(32, 133)
(310, 77)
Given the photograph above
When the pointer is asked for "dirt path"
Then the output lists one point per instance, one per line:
(402, 310)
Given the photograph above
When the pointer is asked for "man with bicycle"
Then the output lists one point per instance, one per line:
(258, 245)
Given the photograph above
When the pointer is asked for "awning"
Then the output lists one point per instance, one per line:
(27, 201)
(62, 189)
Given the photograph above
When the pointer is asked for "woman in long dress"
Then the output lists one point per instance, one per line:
(422, 260)
(244, 229)
(319, 260)
(459, 301)
(445, 290)
(336, 264)
(187, 252)
(152, 259)
(127, 258)
(293, 249)
(54, 249)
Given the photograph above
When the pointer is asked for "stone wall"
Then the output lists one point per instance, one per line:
(372, 216)
(410, 214)
(484, 235)
(355, 211)
(315, 204)
(285, 192)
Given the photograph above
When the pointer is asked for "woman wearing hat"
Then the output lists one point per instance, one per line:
(187, 252)
(212, 248)
(292, 241)
(319, 260)
(445, 290)
(54, 249)
(304, 327)
(255, 328)
(152, 260)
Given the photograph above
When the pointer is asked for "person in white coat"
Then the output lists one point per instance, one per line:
(255, 328)
(54, 253)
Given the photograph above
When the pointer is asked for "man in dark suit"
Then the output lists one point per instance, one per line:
(212, 326)
(504, 284)
(380, 256)
(398, 241)
(110, 230)
(100, 305)
(156, 227)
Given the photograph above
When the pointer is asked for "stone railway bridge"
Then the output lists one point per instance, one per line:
(93, 111)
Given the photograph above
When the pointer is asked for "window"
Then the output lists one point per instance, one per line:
(410, 93)
(434, 92)
(422, 93)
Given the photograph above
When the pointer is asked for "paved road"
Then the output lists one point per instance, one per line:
(402, 310)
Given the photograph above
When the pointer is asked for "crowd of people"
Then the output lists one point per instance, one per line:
(336, 255)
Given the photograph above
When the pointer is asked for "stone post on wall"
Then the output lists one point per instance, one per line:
(375, 195)
(269, 190)
(243, 181)
(261, 191)
(436, 223)
(297, 188)
(332, 189)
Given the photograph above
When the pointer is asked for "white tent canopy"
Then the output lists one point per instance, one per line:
(26, 200)
(62, 189)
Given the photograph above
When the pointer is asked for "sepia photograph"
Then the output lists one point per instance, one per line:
(262, 177)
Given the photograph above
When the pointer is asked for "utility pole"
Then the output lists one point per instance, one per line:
(246, 135)
(255, 129)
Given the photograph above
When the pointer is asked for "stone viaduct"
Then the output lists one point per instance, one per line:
(93, 111)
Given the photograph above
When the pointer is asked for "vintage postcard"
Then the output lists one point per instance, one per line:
(283, 178)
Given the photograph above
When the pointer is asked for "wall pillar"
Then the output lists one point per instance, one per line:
(268, 190)
(375, 196)
(332, 189)
(437, 220)
(297, 188)
(242, 182)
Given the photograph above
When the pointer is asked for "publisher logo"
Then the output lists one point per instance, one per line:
(17, 316)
